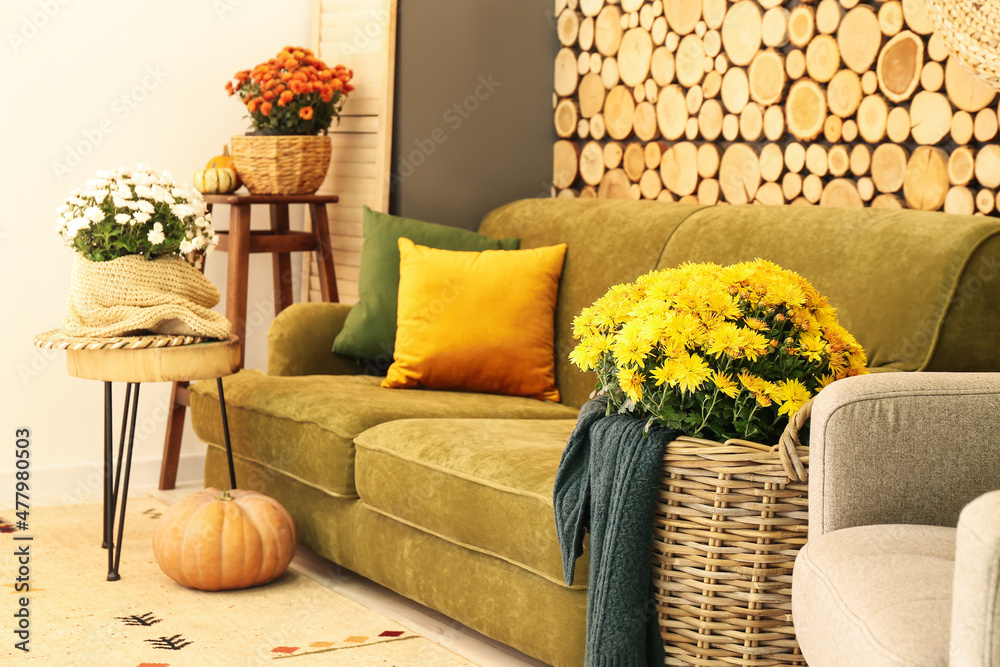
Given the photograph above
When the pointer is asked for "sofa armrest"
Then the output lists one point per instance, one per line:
(300, 341)
(902, 448)
(975, 603)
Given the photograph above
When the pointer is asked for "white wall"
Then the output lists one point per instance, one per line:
(94, 85)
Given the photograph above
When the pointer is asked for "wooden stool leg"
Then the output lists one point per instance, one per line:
(327, 274)
(238, 270)
(179, 400)
(281, 261)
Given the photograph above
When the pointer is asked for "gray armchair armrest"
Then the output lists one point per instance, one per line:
(975, 608)
(902, 448)
(300, 341)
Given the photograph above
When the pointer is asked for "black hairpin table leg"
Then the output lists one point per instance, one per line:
(225, 433)
(114, 485)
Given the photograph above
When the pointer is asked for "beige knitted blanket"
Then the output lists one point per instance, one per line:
(131, 294)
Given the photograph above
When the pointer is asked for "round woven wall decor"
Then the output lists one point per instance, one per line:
(971, 30)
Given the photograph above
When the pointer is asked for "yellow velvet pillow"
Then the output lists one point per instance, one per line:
(477, 321)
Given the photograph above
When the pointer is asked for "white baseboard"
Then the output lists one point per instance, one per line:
(84, 483)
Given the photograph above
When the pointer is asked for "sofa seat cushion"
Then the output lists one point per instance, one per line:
(875, 595)
(305, 426)
(485, 484)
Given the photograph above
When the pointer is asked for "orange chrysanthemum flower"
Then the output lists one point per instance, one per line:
(306, 113)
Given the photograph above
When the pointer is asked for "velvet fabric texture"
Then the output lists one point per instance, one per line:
(607, 482)
(477, 321)
(298, 342)
(610, 242)
(288, 423)
(901, 280)
(370, 328)
(482, 483)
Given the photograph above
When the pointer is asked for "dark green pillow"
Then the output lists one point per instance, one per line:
(370, 329)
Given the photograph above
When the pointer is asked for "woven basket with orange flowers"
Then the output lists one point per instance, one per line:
(291, 99)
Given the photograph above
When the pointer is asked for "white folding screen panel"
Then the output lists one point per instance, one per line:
(361, 35)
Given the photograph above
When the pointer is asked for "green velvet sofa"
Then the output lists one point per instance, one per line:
(446, 497)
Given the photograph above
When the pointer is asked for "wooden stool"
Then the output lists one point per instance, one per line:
(239, 241)
(134, 360)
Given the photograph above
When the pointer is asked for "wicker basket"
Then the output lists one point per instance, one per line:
(971, 32)
(730, 519)
(282, 165)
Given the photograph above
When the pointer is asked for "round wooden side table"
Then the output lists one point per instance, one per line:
(134, 360)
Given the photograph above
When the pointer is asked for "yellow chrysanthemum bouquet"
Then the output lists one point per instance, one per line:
(715, 351)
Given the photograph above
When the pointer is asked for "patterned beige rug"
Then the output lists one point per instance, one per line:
(76, 617)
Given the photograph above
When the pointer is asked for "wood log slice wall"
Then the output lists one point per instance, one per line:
(827, 102)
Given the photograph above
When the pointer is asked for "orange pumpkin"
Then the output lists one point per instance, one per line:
(221, 540)
(225, 161)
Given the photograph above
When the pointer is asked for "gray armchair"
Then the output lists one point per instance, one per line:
(886, 578)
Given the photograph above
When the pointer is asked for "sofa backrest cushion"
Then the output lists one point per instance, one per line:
(610, 242)
(917, 289)
(920, 291)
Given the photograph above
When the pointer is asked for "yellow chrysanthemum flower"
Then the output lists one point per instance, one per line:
(762, 390)
(754, 345)
(725, 383)
(792, 395)
(726, 339)
(812, 346)
(695, 332)
(631, 345)
(693, 373)
(630, 380)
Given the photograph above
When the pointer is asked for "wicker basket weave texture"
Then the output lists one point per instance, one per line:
(971, 31)
(282, 165)
(730, 519)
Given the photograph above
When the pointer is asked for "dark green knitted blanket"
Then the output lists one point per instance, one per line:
(606, 483)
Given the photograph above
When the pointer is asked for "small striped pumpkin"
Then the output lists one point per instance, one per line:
(216, 180)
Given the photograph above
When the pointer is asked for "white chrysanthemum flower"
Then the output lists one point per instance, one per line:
(142, 179)
(119, 202)
(122, 218)
(200, 242)
(155, 237)
(145, 206)
(143, 191)
(132, 205)
(99, 196)
(123, 192)
(141, 216)
(187, 246)
(181, 210)
(94, 214)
